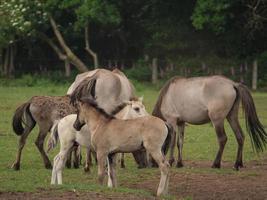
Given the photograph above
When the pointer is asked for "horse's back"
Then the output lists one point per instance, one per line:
(50, 108)
(193, 99)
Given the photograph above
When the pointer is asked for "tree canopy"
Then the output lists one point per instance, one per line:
(83, 32)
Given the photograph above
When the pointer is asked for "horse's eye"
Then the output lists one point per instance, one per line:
(137, 109)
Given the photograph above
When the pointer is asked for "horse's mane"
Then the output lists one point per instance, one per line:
(94, 104)
(118, 108)
(123, 105)
(157, 108)
(84, 89)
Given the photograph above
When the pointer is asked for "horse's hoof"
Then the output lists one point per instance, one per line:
(86, 170)
(48, 166)
(216, 165)
(238, 165)
(171, 161)
(68, 165)
(179, 164)
(16, 166)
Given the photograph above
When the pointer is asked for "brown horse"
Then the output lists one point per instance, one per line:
(210, 99)
(43, 110)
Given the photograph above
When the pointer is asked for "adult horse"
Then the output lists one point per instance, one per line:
(43, 110)
(109, 88)
(210, 99)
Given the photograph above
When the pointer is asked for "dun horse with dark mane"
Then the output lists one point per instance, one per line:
(210, 99)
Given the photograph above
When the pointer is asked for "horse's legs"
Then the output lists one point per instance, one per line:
(234, 123)
(101, 160)
(59, 162)
(180, 142)
(39, 142)
(222, 139)
(69, 159)
(77, 155)
(173, 122)
(22, 141)
(122, 160)
(164, 170)
(112, 179)
(88, 160)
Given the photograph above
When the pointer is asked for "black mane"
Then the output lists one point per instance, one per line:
(94, 104)
(118, 108)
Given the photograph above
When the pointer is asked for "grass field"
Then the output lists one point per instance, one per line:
(200, 144)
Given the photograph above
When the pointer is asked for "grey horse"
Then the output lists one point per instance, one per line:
(212, 99)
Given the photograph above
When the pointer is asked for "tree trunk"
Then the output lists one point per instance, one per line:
(87, 46)
(154, 70)
(122, 65)
(232, 71)
(6, 62)
(11, 67)
(241, 73)
(203, 66)
(67, 68)
(1, 60)
(254, 74)
(71, 56)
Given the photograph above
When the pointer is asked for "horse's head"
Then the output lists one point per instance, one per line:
(133, 109)
(80, 120)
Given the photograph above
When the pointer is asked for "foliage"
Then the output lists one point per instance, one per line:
(141, 72)
(19, 19)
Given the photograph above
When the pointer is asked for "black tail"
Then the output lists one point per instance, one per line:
(254, 127)
(166, 144)
(19, 118)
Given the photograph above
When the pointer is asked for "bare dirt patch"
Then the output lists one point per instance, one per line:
(249, 183)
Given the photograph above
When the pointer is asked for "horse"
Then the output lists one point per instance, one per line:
(110, 136)
(67, 135)
(110, 88)
(200, 100)
(43, 110)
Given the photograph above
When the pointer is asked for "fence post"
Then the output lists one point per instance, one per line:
(254, 74)
(154, 70)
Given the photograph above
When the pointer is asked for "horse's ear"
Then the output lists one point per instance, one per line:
(141, 98)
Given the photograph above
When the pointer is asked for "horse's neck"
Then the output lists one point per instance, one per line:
(94, 120)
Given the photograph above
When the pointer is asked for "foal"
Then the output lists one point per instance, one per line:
(67, 135)
(110, 136)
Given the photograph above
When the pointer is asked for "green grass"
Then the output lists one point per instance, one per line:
(200, 144)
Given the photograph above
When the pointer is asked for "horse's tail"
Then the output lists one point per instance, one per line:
(254, 127)
(168, 140)
(85, 88)
(157, 108)
(23, 116)
(53, 139)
